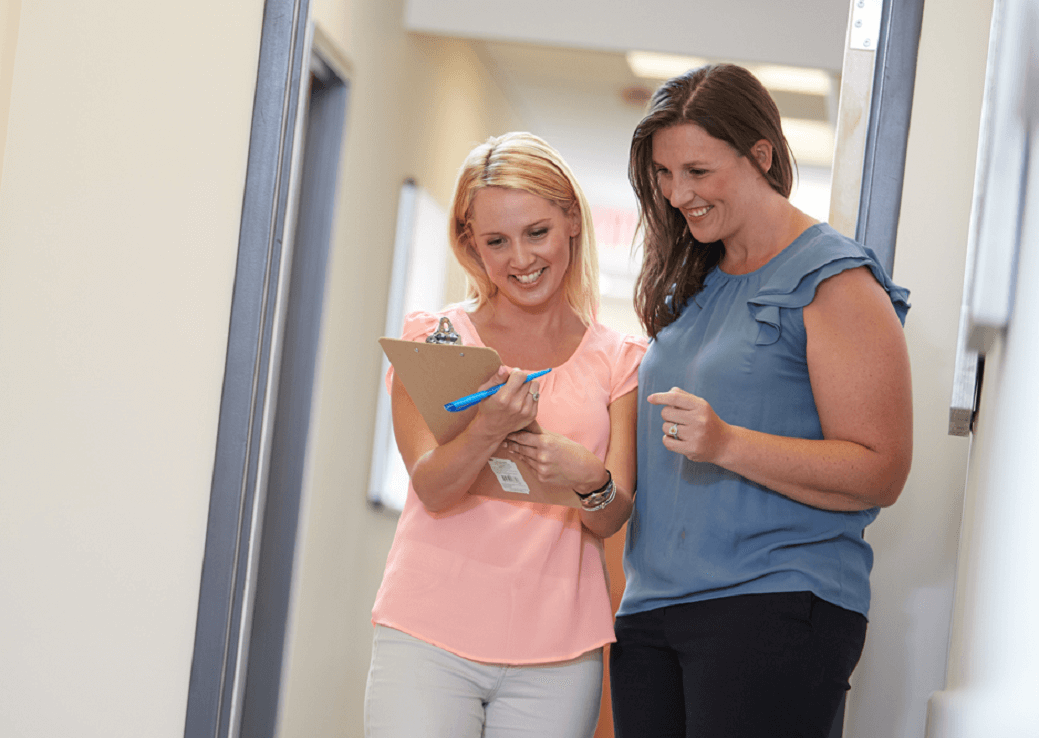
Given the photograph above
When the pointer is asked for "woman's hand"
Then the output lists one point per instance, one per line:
(858, 366)
(690, 425)
(512, 408)
(557, 460)
(442, 475)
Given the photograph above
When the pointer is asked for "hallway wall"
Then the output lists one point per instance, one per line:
(915, 541)
(10, 10)
(119, 214)
(127, 136)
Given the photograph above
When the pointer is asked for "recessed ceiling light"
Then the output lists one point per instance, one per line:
(793, 79)
(651, 65)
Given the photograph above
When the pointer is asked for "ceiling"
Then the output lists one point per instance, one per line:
(564, 68)
(800, 33)
(563, 64)
(587, 103)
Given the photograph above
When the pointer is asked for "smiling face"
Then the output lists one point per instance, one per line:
(524, 243)
(706, 180)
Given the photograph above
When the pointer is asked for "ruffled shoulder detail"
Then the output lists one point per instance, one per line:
(419, 324)
(820, 255)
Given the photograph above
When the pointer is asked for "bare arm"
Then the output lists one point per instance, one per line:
(859, 369)
(442, 475)
(621, 461)
(560, 461)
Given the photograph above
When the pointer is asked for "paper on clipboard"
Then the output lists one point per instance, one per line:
(437, 373)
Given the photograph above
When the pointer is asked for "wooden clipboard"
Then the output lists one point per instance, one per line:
(437, 373)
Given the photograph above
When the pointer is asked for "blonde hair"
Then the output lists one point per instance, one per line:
(522, 161)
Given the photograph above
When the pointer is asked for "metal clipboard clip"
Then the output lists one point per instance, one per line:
(445, 333)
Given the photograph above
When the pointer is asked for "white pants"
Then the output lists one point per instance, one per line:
(416, 690)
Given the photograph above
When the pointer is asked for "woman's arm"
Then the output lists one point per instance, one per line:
(557, 460)
(621, 461)
(859, 370)
(442, 475)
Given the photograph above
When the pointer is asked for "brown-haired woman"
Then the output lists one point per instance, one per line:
(775, 419)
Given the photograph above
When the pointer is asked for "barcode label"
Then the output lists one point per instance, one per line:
(509, 476)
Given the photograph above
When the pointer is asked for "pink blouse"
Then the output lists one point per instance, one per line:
(513, 582)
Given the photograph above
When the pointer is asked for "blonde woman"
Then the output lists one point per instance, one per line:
(492, 614)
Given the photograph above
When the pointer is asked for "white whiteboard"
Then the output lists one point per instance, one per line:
(420, 255)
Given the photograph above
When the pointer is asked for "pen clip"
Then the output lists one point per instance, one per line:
(445, 333)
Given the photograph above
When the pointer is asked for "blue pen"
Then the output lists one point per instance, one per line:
(469, 400)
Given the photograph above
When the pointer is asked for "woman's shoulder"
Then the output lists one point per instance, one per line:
(610, 355)
(609, 337)
(420, 323)
(618, 353)
(818, 254)
(821, 242)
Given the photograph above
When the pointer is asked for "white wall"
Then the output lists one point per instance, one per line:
(9, 13)
(127, 136)
(915, 541)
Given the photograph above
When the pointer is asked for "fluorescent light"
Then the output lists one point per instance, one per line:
(651, 65)
(793, 79)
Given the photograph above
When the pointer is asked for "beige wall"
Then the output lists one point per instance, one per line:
(120, 205)
(417, 105)
(915, 541)
(9, 13)
(119, 213)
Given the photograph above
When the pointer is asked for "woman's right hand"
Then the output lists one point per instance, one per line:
(442, 475)
(690, 425)
(511, 408)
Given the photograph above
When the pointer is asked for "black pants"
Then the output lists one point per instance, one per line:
(749, 666)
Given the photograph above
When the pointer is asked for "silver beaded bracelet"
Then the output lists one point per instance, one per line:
(601, 497)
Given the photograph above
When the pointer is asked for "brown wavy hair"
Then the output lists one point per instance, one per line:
(730, 104)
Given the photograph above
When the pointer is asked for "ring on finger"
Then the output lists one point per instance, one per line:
(535, 395)
(673, 431)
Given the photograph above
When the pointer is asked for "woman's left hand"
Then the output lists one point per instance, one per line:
(555, 459)
(690, 425)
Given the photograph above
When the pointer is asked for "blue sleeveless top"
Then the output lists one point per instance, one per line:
(698, 531)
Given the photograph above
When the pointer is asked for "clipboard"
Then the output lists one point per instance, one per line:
(435, 373)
